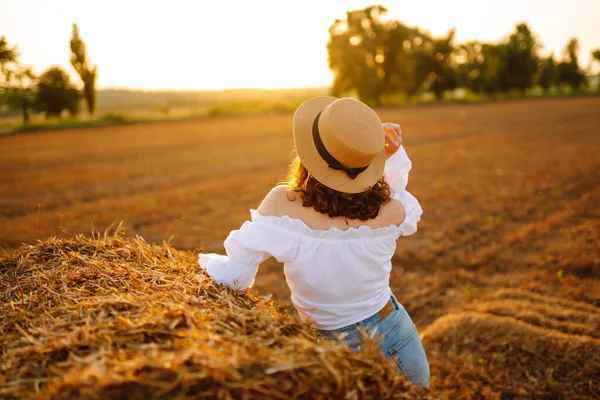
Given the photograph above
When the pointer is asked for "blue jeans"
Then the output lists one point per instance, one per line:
(397, 337)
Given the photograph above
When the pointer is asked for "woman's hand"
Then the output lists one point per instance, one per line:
(393, 140)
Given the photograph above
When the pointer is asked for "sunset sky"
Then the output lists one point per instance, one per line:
(263, 44)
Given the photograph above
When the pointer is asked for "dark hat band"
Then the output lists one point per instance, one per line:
(329, 159)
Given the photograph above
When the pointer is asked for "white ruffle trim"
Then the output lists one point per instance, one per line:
(408, 227)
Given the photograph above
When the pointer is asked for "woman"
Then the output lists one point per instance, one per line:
(334, 226)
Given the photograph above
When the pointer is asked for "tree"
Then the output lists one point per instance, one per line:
(356, 50)
(440, 65)
(495, 69)
(568, 71)
(395, 63)
(596, 58)
(412, 63)
(373, 57)
(87, 73)
(18, 92)
(406, 53)
(7, 54)
(56, 93)
(498, 68)
(16, 87)
(471, 65)
(547, 76)
(521, 58)
(596, 55)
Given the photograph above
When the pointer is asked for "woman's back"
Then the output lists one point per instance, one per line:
(337, 277)
(337, 268)
(335, 226)
(282, 201)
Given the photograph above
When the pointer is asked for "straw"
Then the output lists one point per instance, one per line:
(108, 318)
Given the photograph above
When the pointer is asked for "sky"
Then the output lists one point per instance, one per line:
(197, 44)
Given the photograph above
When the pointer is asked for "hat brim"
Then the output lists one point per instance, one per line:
(307, 151)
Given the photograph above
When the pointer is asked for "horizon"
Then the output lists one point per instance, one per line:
(145, 90)
(174, 49)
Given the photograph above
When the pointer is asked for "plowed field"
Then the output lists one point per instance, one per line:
(502, 279)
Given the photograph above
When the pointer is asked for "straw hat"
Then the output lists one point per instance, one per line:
(340, 142)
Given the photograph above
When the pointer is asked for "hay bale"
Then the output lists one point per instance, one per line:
(109, 318)
(486, 356)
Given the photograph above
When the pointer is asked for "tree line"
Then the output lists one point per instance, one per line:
(372, 57)
(52, 92)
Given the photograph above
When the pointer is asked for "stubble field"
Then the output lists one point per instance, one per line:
(502, 279)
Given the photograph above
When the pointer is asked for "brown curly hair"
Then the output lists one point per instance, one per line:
(362, 206)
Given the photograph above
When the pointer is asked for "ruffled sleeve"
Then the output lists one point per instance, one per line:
(245, 249)
(396, 172)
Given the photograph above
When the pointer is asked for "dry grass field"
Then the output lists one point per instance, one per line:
(502, 279)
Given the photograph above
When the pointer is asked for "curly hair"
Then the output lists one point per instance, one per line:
(362, 206)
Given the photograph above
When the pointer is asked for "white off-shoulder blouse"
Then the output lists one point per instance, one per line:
(337, 277)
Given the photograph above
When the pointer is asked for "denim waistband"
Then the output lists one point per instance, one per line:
(375, 317)
(369, 321)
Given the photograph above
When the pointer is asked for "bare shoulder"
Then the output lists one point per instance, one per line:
(277, 202)
(393, 213)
